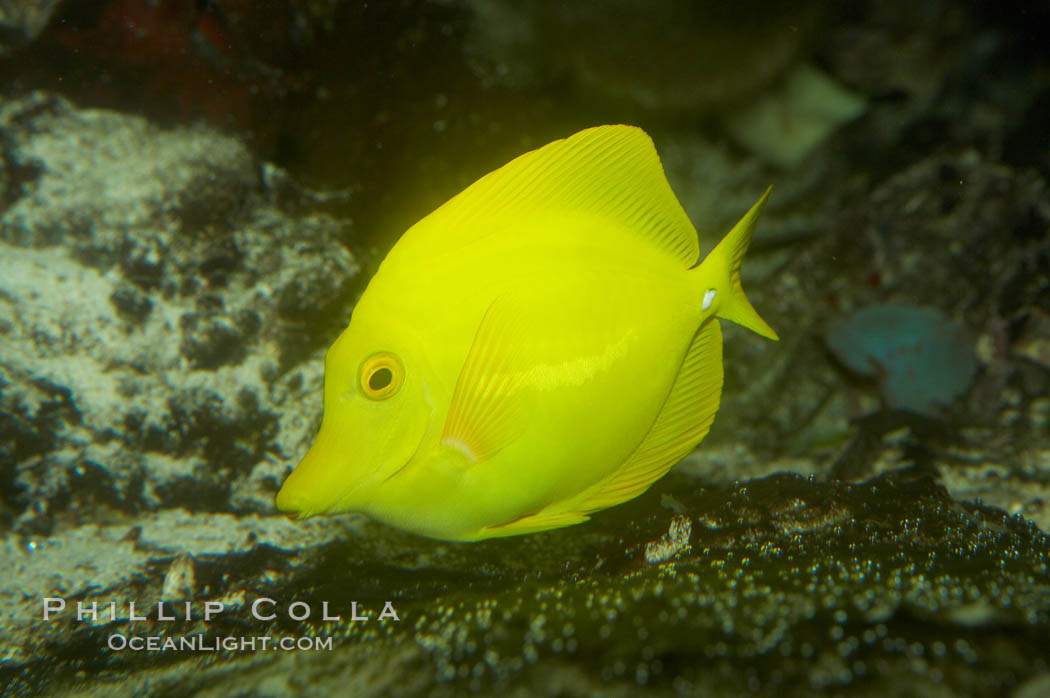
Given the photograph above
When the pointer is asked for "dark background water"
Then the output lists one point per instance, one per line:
(403, 103)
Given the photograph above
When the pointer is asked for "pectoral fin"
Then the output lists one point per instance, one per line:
(488, 408)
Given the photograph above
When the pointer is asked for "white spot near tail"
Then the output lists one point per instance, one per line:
(709, 298)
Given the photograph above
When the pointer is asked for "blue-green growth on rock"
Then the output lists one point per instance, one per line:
(921, 359)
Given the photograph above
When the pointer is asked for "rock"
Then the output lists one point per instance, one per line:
(665, 55)
(789, 587)
(735, 63)
(152, 298)
(796, 116)
(21, 21)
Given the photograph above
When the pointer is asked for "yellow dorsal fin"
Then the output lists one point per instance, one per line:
(487, 408)
(683, 422)
(610, 171)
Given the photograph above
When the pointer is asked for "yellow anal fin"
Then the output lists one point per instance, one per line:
(683, 422)
(533, 523)
(487, 408)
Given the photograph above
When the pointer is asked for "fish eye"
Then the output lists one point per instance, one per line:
(380, 378)
(381, 375)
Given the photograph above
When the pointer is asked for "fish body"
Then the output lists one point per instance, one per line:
(542, 346)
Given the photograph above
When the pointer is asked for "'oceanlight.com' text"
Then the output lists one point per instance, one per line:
(201, 643)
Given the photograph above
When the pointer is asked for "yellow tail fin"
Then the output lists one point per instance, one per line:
(725, 260)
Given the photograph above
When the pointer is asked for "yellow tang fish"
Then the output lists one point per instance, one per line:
(542, 346)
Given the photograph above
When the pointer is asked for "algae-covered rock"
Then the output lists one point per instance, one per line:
(151, 291)
(788, 587)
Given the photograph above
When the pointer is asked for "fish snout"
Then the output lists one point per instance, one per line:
(319, 483)
(291, 503)
(305, 491)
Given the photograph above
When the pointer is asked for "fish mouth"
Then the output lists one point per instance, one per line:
(291, 505)
(299, 501)
(308, 490)
(318, 485)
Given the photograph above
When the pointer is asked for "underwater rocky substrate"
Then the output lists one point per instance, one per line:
(787, 585)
